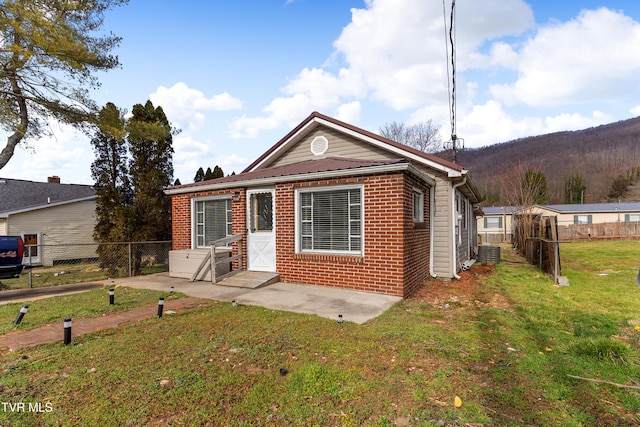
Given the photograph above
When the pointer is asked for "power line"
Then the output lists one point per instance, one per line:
(451, 74)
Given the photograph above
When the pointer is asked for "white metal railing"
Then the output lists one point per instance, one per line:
(210, 259)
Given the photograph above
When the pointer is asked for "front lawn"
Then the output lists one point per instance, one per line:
(500, 347)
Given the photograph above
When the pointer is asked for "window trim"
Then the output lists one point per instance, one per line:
(632, 217)
(588, 217)
(28, 258)
(416, 192)
(488, 226)
(194, 224)
(298, 223)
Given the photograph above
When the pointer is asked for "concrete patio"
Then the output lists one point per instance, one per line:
(357, 307)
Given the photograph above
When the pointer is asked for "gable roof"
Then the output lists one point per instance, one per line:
(594, 207)
(499, 210)
(572, 208)
(329, 167)
(19, 195)
(316, 119)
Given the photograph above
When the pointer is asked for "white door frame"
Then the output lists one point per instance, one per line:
(261, 244)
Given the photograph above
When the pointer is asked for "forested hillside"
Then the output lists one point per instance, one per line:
(601, 156)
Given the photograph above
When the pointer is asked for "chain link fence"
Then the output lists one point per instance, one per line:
(49, 265)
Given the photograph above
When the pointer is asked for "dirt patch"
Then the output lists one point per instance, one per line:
(465, 291)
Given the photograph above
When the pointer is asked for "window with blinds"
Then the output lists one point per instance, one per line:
(331, 220)
(212, 221)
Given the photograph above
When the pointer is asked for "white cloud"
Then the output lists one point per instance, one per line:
(575, 121)
(66, 153)
(191, 154)
(184, 106)
(187, 148)
(491, 124)
(635, 110)
(232, 163)
(393, 53)
(349, 112)
(586, 59)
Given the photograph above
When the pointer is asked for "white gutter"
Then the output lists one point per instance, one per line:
(432, 215)
(453, 215)
(370, 170)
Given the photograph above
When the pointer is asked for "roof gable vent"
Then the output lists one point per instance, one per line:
(319, 145)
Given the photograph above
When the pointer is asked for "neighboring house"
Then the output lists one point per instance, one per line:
(334, 205)
(494, 225)
(496, 221)
(47, 214)
(592, 213)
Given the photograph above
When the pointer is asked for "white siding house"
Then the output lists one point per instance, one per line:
(55, 220)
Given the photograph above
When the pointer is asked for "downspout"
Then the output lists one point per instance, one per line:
(454, 217)
(432, 210)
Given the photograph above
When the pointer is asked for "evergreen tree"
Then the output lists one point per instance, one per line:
(217, 172)
(535, 183)
(113, 188)
(199, 175)
(151, 169)
(574, 189)
(208, 174)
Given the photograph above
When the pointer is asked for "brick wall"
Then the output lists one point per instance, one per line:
(416, 238)
(381, 268)
(396, 249)
(182, 217)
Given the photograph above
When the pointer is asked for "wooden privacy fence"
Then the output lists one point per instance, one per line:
(536, 238)
(603, 231)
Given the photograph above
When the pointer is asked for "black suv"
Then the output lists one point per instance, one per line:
(11, 251)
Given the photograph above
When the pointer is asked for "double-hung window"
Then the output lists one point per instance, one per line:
(418, 205)
(632, 217)
(582, 219)
(492, 222)
(212, 220)
(330, 220)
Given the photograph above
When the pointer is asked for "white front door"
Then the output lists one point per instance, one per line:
(261, 233)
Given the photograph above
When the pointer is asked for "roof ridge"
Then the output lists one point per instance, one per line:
(316, 115)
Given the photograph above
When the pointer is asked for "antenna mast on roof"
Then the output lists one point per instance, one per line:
(451, 81)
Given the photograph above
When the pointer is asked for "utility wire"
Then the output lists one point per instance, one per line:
(453, 70)
(446, 48)
(451, 74)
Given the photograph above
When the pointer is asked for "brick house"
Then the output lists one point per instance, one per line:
(334, 205)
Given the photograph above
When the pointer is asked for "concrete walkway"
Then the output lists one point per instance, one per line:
(357, 307)
(323, 301)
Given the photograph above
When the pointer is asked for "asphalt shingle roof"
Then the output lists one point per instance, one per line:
(16, 194)
(299, 168)
(572, 208)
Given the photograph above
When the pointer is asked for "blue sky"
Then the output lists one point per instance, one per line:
(236, 76)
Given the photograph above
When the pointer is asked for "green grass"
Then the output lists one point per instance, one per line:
(87, 304)
(506, 348)
(64, 274)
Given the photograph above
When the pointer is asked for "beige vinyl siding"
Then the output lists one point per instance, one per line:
(596, 217)
(59, 225)
(3, 227)
(340, 145)
(442, 229)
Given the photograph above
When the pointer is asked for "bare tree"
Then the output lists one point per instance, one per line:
(522, 187)
(423, 136)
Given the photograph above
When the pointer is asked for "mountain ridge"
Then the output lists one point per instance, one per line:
(599, 154)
